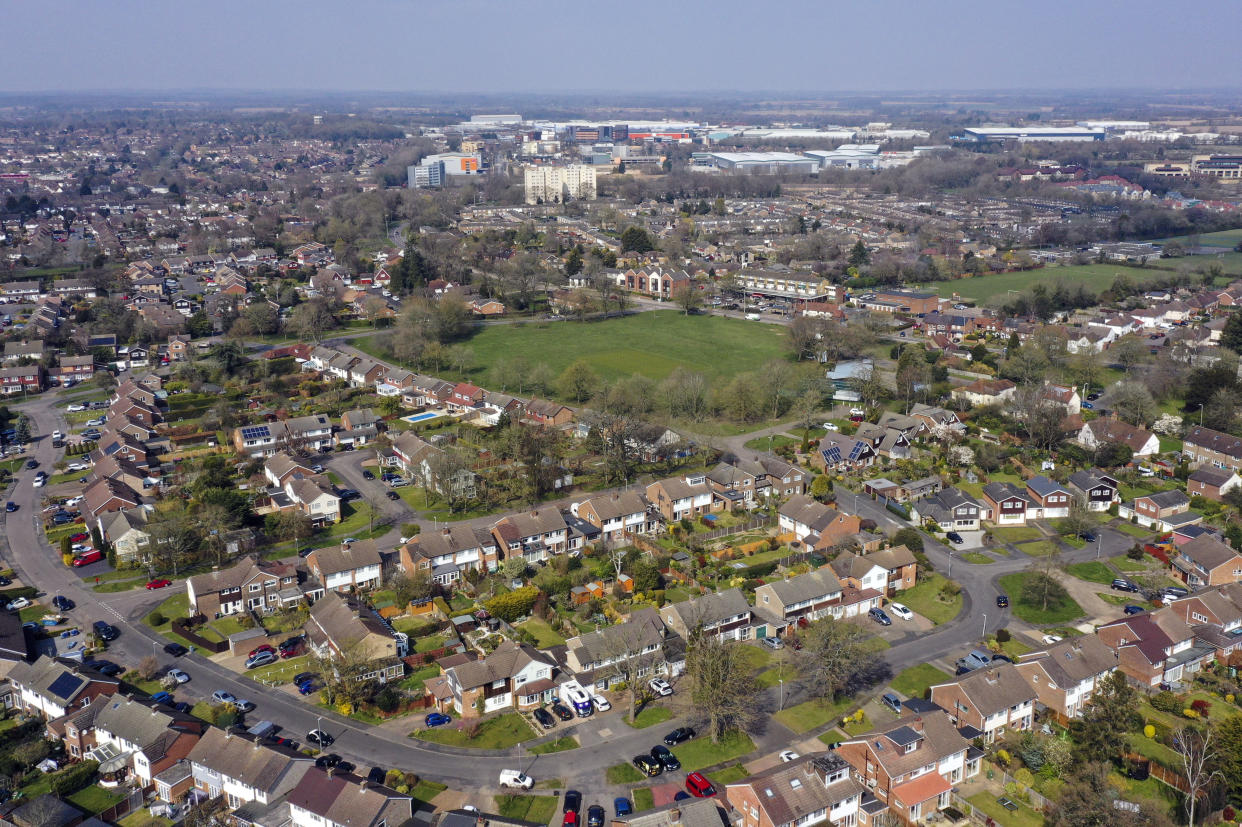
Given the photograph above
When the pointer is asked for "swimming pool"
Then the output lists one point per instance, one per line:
(422, 417)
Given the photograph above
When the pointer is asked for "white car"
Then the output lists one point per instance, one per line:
(660, 686)
(77, 466)
(72, 501)
(75, 408)
(78, 548)
(857, 412)
(601, 703)
(901, 611)
(831, 426)
(19, 603)
(788, 755)
(57, 435)
(178, 676)
(94, 423)
(243, 705)
(38, 481)
(1052, 638)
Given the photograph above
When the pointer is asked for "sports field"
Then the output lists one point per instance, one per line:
(1095, 277)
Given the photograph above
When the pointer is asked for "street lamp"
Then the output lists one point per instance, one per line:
(319, 727)
(950, 574)
(985, 624)
(1098, 538)
(781, 705)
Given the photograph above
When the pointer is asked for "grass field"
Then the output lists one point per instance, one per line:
(501, 732)
(913, 682)
(656, 343)
(1095, 277)
(701, 752)
(1033, 612)
(644, 799)
(1042, 548)
(813, 714)
(1093, 571)
(1016, 533)
(977, 558)
(925, 599)
(534, 808)
(544, 636)
(651, 716)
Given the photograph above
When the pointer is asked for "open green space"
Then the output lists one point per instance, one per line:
(1040, 548)
(501, 732)
(701, 752)
(729, 775)
(656, 344)
(1015, 533)
(565, 742)
(813, 714)
(761, 443)
(426, 790)
(926, 598)
(533, 808)
(977, 558)
(1116, 599)
(545, 638)
(1092, 570)
(832, 736)
(1133, 530)
(1094, 277)
(623, 774)
(914, 681)
(650, 716)
(1024, 816)
(1033, 611)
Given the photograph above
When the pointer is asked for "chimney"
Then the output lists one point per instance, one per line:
(344, 546)
(674, 816)
(917, 724)
(446, 531)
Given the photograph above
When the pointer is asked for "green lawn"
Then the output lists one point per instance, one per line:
(756, 657)
(832, 736)
(565, 742)
(1127, 565)
(1095, 277)
(95, 799)
(534, 808)
(544, 636)
(701, 752)
(501, 732)
(1024, 816)
(1116, 599)
(654, 345)
(925, 599)
(914, 681)
(977, 558)
(644, 799)
(1034, 613)
(426, 790)
(623, 774)
(651, 716)
(280, 672)
(761, 443)
(1093, 571)
(1041, 548)
(1016, 533)
(175, 606)
(1134, 530)
(729, 775)
(813, 714)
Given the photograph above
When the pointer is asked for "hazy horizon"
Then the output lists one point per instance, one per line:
(480, 47)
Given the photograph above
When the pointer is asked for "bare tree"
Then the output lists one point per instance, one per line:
(722, 687)
(630, 650)
(1194, 747)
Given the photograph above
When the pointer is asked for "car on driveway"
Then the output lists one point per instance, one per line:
(158, 584)
(437, 719)
(955, 538)
(678, 735)
(647, 765)
(1050, 639)
(261, 659)
(267, 647)
(773, 643)
(290, 646)
(1133, 610)
(561, 711)
(901, 611)
(621, 806)
(17, 605)
(1122, 585)
(79, 537)
(106, 631)
(660, 686)
(698, 785)
(595, 816)
(544, 718)
(222, 697)
(880, 617)
(788, 755)
(601, 703)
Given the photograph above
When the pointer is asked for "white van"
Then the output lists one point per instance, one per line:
(753, 317)
(516, 778)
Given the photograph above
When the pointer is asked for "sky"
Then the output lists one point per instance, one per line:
(669, 46)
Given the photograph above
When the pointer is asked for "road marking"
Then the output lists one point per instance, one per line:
(110, 608)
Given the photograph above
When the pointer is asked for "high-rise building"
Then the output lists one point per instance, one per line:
(554, 185)
(427, 175)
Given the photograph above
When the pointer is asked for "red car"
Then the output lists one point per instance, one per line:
(698, 785)
(79, 538)
(159, 584)
(264, 648)
(570, 819)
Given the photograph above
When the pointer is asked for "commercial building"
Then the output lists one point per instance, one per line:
(769, 163)
(554, 185)
(1023, 134)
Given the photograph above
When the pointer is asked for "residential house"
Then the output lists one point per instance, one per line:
(546, 413)
(17, 349)
(52, 687)
(1215, 617)
(315, 497)
(913, 763)
(73, 370)
(1211, 483)
(809, 790)
(1154, 647)
(280, 467)
(1161, 510)
(680, 498)
(993, 699)
(21, 379)
(127, 532)
(1008, 503)
(249, 584)
(619, 515)
(799, 599)
(304, 432)
(446, 554)
(341, 627)
(1049, 498)
(365, 373)
(1207, 561)
(815, 524)
(1099, 432)
(743, 482)
(934, 418)
(1066, 674)
(178, 346)
(631, 650)
(358, 427)
(243, 769)
(327, 799)
(106, 496)
(1203, 446)
(140, 736)
(1067, 398)
(515, 675)
(887, 572)
(350, 566)
(952, 510)
(885, 442)
(985, 391)
(1096, 489)
(838, 452)
(421, 460)
(533, 534)
(724, 614)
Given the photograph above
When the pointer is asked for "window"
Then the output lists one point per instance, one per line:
(254, 587)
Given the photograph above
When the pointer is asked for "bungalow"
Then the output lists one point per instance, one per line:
(1065, 675)
(1097, 489)
(514, 675)
(1008, 503)
(446, 554)
(1211, 483)
(348, 567)
(952, 510)
(619, 515)
(725, 615)
(1206, 561)
(1050, 499)
(1099, 432)
(993, 700)
(340, 627)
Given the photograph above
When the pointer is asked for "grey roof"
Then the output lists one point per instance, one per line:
(508, 659)
(693, 812)
(795, 791)
(1073, 660)
(993, 688)
(1209, 552)
(1172, 498)
(710, 608)
(1214, 477)
(346, 557)
(812, 585)
(55, 680)
(640, 630)
(343, 799)
(247, 761)
(1043, 486)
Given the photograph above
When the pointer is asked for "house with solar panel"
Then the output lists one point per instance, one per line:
(52, 687)
(838, 452)
(304, 432)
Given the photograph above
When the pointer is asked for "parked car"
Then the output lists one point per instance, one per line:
(1050, 639)
(392, 495)
(665, 757)
(678, 735)
(323, 739)
(773, 643)
(698, 785)
(1002, 600)
(106, 631)
(62, 603)
(244, 705)
(569, 819)
(108, 668)
(621, 806)
(17, 604)
(891, 701)
(261, 659)
(175, 649)
(79, 537)
(267, 647)
(437, 719)
(32, 464)
(159, 583)
(328, 761)
(290, 646)
(1123, 585)
(306, 688)
(880, 617)
(178, 676)
(85, 559)
(561, 711)
(544, 718)
(647, 765)
(955, 538)
(1133, 610)
(222, 697)
(516, 778)
(901, 611)
(660, 686)
(788, 755)
(601, 703)
(164, 698)
(302, 677)
(572, 802)
(595, 816)
(367, 475)
(10, 506)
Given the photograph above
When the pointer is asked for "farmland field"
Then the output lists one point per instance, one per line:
(1095, 277)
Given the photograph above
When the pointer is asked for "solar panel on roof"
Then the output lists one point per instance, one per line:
(256, 432)
(65, 685)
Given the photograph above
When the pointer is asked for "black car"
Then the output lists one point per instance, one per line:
(392, 495)
(327, 761)
(954, 537)
(544, 718)
(367, 475)
(302, 677)
(5, 581)
(573, 802)
(107, 667)
(377, 775)
(1002, 600)
(182, 706)
(321, 738)
(561, 711)
(62, 603)
(32, 464)
(1123, 585)
(175, 649)
(106, 631)
(347, 494)
(666, 758)
(647, 765)
(1005, 658)
(683, 733)
(962, 670)
(289, 645)
(595, 816)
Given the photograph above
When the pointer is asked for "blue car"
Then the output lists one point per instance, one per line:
(306, 687)
(621, 806)
(1088, 406)
(163, 698)
(437, 719)
(1133, 610)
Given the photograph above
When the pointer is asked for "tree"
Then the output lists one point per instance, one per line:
(911, 538)
(578, 381)
(631, 650)
(1203, 383)
(311, 319)
(513, 567)
(1101, 732)
(1087, 798)
(839, 659)
(228, 357)
(1229, 753)
(802, 335)
(1133, 403)
(573, 262)
(723, 688)
(1197, 752)
(860, 256)
(1129, 351)
(513, 605)
(1231, 334)
(637, 240)
(1080, 520)
(688, 298)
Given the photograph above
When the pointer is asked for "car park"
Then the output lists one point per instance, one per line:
(660, 686)
(665, 757)
(222, 697)
(544, 718)
(436, 719)
(901, 611)
(572, 802)
(647, 765)
(698, 785)
(880, 617)
(159, 583)
(106, 631)
(1002, 601)
(678, 735)
(178, 676)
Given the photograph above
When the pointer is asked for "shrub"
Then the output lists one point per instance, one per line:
(1149, 731)
(69, 781)
(1024, 777)
(157, 618)
(1190, 713)
(1002, 757)
(1165, 701)
(1229, 698)
(1201, 707)
(1002, 635)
